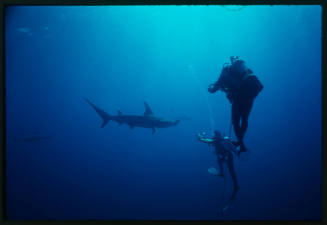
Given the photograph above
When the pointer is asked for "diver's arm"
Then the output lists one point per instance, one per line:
(219, 84)
(229, 146)
(205, 140)
(214, 87)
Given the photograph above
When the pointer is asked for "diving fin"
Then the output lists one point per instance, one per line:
(213, 171)
(230, 202)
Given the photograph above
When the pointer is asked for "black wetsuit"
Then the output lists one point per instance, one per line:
(224, 149)
(241, 93)
(224, 155)
(242, 102)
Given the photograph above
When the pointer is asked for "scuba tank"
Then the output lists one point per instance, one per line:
(236, 79)
(248, 79)
(253, 85)
(238, 67)
(228, 82)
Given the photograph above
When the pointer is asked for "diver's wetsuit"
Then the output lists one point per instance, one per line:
(223, 150)
(242, 103)
(225, 155)
(241, 93)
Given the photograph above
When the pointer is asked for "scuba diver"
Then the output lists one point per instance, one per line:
(223, 149)
(241, 87)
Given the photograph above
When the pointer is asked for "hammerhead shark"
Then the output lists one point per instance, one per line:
(147, 120)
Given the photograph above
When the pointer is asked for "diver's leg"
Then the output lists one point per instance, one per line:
(245, 112)
(236, 117)
(230, 164)
(221, 167)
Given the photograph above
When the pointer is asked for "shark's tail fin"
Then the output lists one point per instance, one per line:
(105, 116)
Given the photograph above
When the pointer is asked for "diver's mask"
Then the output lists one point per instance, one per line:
(233, 59)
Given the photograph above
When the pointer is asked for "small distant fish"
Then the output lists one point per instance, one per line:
(30, 138)
(23, 30)
(43, 33)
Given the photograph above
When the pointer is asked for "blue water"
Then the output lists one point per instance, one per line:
(121, 56)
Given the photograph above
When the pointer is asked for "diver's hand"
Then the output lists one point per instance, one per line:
(230, 98)
(212, 88)
(199, 136)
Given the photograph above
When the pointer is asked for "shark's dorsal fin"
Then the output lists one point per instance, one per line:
(119, 113)
(148, 110)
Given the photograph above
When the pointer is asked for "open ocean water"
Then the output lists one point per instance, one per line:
(119, 57)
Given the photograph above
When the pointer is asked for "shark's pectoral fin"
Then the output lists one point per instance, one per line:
(104, 123)
(153, 130)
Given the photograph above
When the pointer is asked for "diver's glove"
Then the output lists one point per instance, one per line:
(200, 135)
(212, 88)
(229, 97)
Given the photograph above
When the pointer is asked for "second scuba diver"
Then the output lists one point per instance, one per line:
(224, 150)
(241, 87)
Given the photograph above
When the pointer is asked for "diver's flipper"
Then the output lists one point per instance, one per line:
(214, 171)
(245, 156)
(243, 148)
(225, 208)
(230, 202)
(153, 130)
